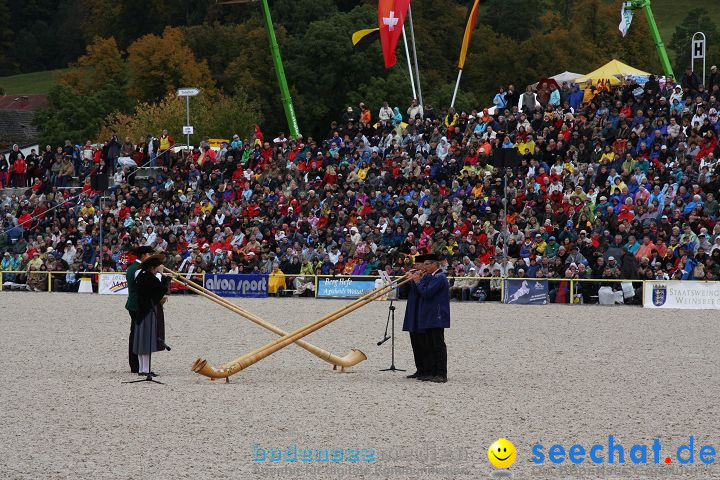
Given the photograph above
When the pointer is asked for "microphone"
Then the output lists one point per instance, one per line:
(383, 340)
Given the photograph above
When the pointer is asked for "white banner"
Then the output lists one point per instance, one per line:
(113, 284)
(626, 17)
(686, 295)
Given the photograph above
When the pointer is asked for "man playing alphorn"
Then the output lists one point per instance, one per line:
(131, 305)
(427, 315)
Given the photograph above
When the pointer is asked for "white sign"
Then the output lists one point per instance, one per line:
(697, 52)
(698, 48)
(686, 295)
(188, 92)
(188, 130)
(113, 284)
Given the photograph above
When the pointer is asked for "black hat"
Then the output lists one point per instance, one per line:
(144, 250)
(429, 257)
(153, 261)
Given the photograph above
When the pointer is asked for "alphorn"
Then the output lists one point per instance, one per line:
(202, 366)
(349, 360)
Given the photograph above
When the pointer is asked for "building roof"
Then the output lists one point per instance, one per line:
(22, 102)
(16, 127)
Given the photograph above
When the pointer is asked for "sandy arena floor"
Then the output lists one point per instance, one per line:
(543, 375)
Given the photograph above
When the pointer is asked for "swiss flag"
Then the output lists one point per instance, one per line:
(391, 18)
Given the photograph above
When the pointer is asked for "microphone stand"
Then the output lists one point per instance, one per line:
(149, 378)
(391, 314)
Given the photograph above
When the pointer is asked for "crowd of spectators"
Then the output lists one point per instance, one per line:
(602, 183)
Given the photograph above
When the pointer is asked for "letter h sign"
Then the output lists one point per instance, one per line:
(697, 51)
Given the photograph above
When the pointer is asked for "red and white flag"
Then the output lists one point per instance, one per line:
(391, 18)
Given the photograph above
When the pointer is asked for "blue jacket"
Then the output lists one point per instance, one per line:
(576, 98)
(428, 304)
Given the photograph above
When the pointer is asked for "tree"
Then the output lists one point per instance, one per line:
(228, 115)
(89, 11)
(160, 65)
(213, 116)
(102, 73)
(232, 62)
(394, 89)
(296, 15)
(96, 86)
(43, 34)
(595, 24)
(323, 67)
(69, 115)
(697, 20)
(6, 39)
(328, 74)
(105, 62)
(515, 19)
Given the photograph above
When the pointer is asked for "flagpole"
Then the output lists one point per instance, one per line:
(417, 67)
(457, 85)
(472, 17)
(407, 55)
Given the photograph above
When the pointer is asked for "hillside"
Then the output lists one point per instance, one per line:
(667, 15)
(29, 83)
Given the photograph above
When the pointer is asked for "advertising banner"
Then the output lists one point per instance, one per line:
(526, 292)
(344, 287)
(112, 284)
(685, 295)
(238, 285)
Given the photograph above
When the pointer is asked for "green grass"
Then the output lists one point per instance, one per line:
(29, 83)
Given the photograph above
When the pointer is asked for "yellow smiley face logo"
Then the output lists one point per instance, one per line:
(502, 453)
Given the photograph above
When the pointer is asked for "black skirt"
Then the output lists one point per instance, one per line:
(146, 338)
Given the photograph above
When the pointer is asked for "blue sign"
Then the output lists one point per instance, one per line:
(344, 287)
(526, 292)
(237, 285)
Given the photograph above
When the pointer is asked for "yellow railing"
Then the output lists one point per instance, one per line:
(571, 294)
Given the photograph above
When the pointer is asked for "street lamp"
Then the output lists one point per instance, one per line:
(277, 60)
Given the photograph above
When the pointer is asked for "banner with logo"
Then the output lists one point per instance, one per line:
(238, 285)
(344, 287)
(526, 292)
(217, 142)
(113, 284)
(684, 295)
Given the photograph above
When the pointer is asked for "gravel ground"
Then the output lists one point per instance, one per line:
(547, 375)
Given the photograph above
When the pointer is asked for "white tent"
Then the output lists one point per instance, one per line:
(562, 77)
(566, 77)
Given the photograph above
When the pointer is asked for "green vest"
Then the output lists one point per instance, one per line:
(132, 301)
